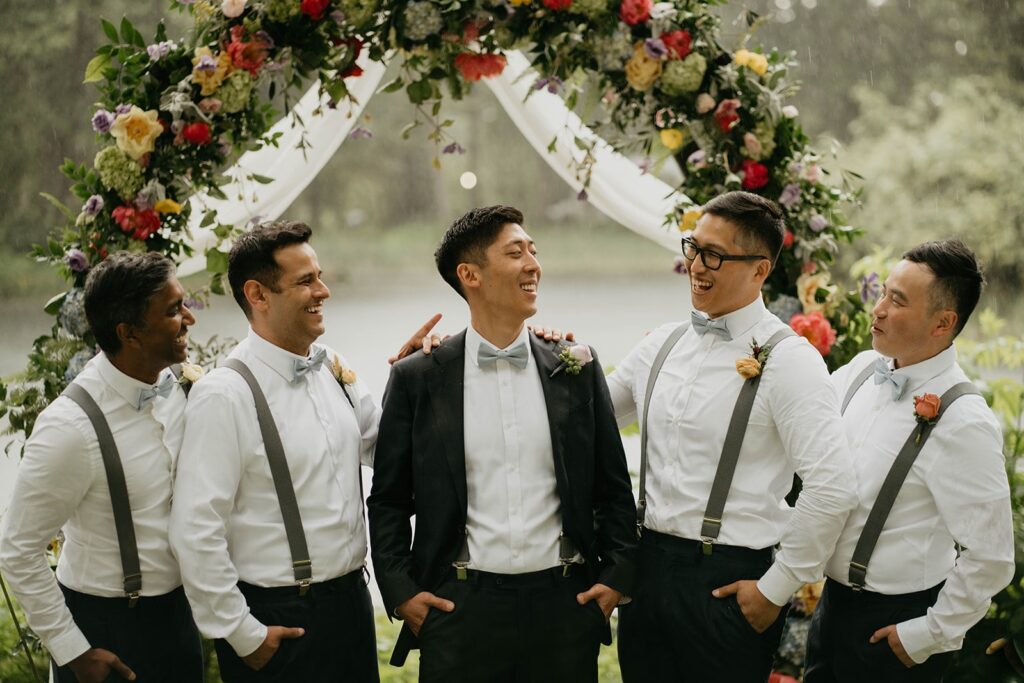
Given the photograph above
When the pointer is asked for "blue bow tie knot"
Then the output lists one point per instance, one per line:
(702, 325)
(883, 374)
(304, 366)
(162, 388)
(517, 355)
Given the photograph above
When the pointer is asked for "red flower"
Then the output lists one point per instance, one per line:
(678, 43)
(776, 677)
(140, 224)
(816, 328)
(471, 31)
(354, 71)
(557, 5)
(197, 133)
(755, 175)
(473, 67)
(246, 54)
(726, 115)
(635, 12)
(787, 239)
(314, 9)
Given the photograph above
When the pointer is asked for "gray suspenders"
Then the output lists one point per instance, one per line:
(712, 523)
(894, 479)
(118, 492)
(302, 566)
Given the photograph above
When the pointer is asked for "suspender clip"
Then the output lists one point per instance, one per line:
(461, 570)
(706, 545)
(303, 586)
(133, 598)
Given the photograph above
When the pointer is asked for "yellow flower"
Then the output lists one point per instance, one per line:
(673, 138)
(136, 132)
(209, 81)
(690, 218)
(807, 286)
(520, 3)
(641, 70)
(167, 206)
(341, 373)
(754, 61)
(748, 367)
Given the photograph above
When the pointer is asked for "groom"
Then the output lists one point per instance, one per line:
(505, 449)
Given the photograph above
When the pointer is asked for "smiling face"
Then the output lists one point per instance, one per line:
(291, 314)
(737, 283)
(907, 325)
(163, 337)
(505, 285)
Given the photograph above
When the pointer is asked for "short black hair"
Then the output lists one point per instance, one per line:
(958, 276)
(119, 289)
(252, 256)
(467, 238)
(759, 220)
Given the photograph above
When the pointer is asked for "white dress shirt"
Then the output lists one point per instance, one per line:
(62, 484)
(956, 491)
(513, 517)
(226, 519)
(793, 426)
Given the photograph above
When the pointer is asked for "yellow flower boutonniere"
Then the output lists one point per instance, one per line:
(751, 366)
(345, 376)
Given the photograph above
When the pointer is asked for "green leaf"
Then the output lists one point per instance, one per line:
(95, 68)
(127, 31)
(110, 30)
(393, 86)
(68, 213)
(419, 91)
(265, 180)
(208, 218)
(54, 304)
(216, 261)
(217, 284)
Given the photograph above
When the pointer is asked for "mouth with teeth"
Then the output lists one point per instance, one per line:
(182, 338)
(529, 287)
(700, 286)
(317, 309)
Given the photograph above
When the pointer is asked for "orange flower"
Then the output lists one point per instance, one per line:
(816, 328)
(927, 407)
(473, 67)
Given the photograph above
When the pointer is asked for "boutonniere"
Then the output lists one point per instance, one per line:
(190, 374)
(926, 412)
(345, 376)
(751, 366)
(573, 358)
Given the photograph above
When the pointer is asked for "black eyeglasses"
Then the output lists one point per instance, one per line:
(712, 260)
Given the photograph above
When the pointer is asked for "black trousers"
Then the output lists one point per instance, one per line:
(838, 647)
(675, 630)
(521, 628)
(156, 638)
(339, 645)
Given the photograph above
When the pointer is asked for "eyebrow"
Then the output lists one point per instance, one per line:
(894, 291)
(714, 246)
(308, 275)
(519, 243)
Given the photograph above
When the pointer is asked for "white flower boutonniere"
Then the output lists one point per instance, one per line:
(345, 376)
(191, 373)
(573, 358)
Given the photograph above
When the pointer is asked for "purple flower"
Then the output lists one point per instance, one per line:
(582, 196)
(655, 48)
(454, 148)
(161, 49)
(817, 222)
(552, 83)
(122, 109)
(206, 63)
(680, 265)
(194, 304)
(360, 133)
(264, 37)
(790, 195)
(869, 287)
(697, 159)
(76, 260)
(645, 165)
(338, 17)
(102, 120)
(93, 205)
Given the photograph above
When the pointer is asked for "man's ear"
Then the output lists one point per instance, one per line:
(256, 295)
(763, 270)
(469, 275)
(126, 335)
(945, 323)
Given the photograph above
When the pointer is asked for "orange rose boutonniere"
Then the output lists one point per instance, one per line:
(926, 412)
(750, 366)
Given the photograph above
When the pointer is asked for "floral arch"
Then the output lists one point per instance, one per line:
(189, 148)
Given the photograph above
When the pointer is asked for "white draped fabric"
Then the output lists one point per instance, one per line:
(618, 188)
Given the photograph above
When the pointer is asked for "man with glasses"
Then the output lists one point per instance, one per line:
(731, 404)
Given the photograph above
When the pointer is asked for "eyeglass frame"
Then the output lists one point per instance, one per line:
(722, 258)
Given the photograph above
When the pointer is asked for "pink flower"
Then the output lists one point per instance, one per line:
(726, 115)
(581, 352)
(816, 328)
(635, 12)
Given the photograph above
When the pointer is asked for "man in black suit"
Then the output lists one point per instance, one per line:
(505, 449)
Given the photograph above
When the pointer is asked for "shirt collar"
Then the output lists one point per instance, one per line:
(277, 359)
(742, 320)
(128, 388)
(919, 373)
(474, 340)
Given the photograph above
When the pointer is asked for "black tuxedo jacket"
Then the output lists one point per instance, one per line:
(420, 469)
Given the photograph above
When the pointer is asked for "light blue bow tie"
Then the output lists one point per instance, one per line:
(162, 388)
(702, 325)
(883, 374)
(517, 355)
(302, 366)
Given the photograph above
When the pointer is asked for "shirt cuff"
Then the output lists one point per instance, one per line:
(777, 586)
(917, 640)
(249, 635)
(68, 646)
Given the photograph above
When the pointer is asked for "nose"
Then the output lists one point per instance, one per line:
(322, 292)
(533, 264)
(187, 318)
(879, 309)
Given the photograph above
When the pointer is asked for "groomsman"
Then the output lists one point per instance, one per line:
(268, 513)
(931, 539)
(730, 403)
(99, 466)
(505, 449)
